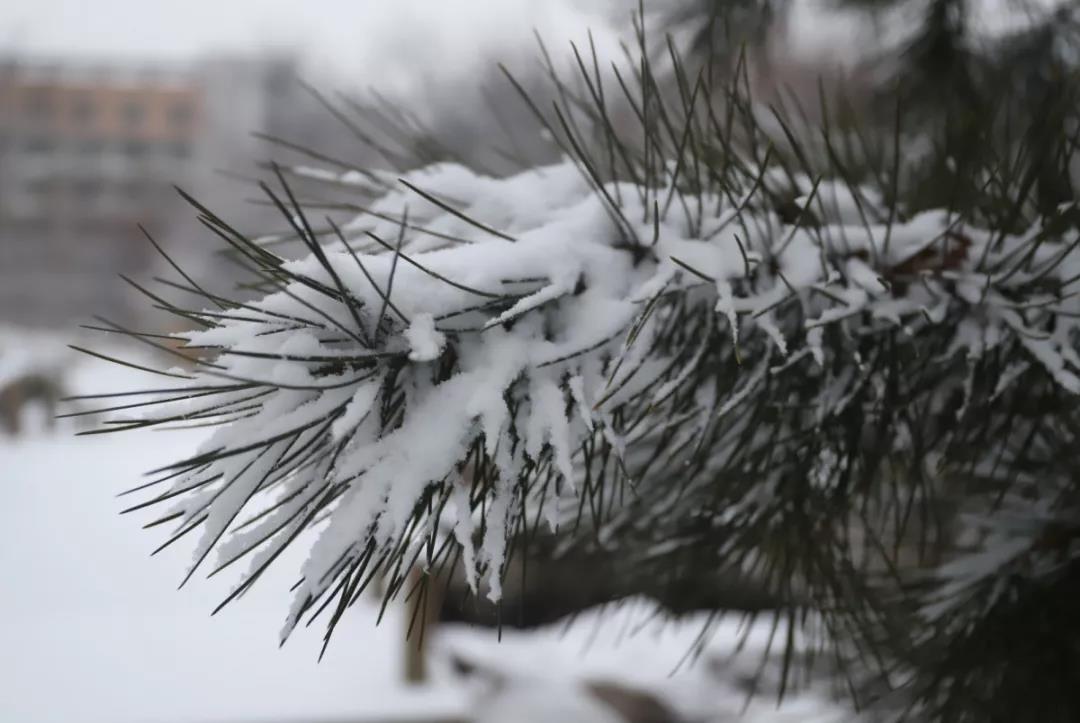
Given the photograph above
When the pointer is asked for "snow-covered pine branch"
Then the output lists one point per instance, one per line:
(693, 346)
(395, 382)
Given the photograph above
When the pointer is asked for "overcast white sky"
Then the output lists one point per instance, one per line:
(378, 41)
(387, 43)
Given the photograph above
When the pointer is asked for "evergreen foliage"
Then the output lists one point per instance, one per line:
(711, 346)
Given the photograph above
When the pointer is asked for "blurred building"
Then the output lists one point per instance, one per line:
(88, 152)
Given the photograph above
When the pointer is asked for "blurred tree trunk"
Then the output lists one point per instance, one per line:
(421, 616)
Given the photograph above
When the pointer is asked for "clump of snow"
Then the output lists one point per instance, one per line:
(425, 343)
(549, 674)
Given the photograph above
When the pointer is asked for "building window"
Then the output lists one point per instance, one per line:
(135, 149)
(91, 147)
(39, 144)
(38, 103)
(132, 191)
(134, 113)
(181, 115)
(87, 189)
(180, 150)
(42, 187)
(83, 110)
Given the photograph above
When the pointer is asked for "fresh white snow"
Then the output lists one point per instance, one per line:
(93, 629)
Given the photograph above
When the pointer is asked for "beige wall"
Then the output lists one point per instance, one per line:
(101, 111)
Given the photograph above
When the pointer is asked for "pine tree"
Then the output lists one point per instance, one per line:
(718, 355)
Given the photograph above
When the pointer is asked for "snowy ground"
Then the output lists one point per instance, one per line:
(92, 629)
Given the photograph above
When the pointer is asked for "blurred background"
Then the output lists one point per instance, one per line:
(105, 106)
